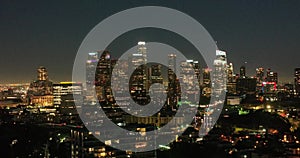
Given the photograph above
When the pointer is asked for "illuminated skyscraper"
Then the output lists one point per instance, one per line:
(231, 82)
(142, 50)
(188, 76)
(156, 82)
(173, 82)
(98, 74)
(260, 75)
(138, 81)
(260, 78)
(220, 72)
(172, 72)
(120, 79)
(272, 76)
(103, 77)
(91, 65)
(243, 72)
(230, 73)
(103, 70)
(196, 67)
(219, 82)
(297, 80)
(269, 86)
(172, 62)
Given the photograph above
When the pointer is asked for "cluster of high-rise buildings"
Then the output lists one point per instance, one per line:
(114, 83)
(143, 76)
(239, 84)
(136, 77)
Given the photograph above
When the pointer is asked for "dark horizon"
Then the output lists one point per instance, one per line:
(263, 34)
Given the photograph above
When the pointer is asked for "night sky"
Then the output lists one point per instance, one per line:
(33, 33)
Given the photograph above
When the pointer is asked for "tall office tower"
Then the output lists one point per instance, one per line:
(297, 80)
(172, 63)
(103, 70)
(98, 73)
(196, 67)
(206, 82)
(91, 65)
(120, 82)
(64, 94)
(231, 82)
(142, 50)
(42, 74)
(272, 76)
(138, 80)
(220, 72)
(156, 82)
(188, 77)
(219, 82)
(173, 82)
(230, 73)
(172, 71)
(260, 75)
(260, 78)
(243, 72)
(103, 78)
(40, 90)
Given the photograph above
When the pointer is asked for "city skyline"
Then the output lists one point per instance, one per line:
(74, 109)
(236, 71)
(123, 78)
(263, 34)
